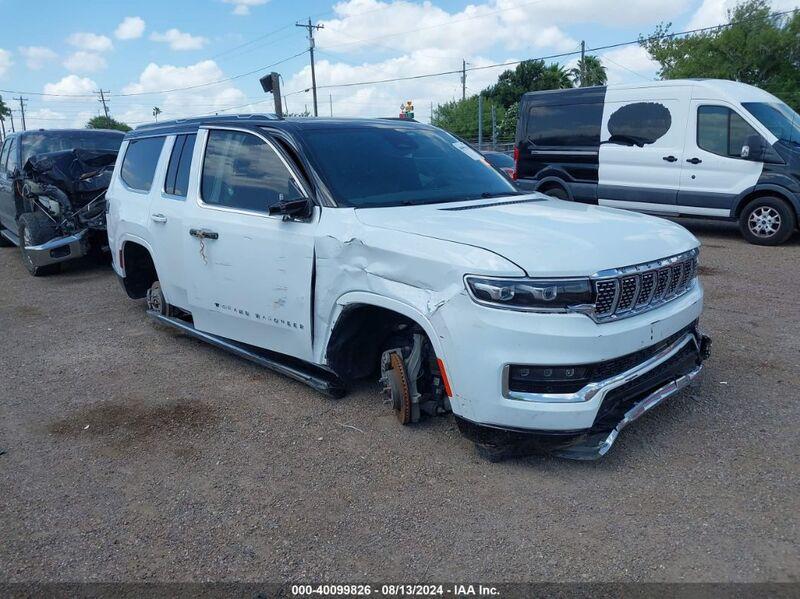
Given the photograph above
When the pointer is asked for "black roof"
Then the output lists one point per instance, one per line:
(576, 95)
(288, 124)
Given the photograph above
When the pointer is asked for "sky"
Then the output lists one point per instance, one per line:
(194, 57)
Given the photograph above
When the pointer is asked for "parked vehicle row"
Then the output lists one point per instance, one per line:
(336, 249)
(709, 148)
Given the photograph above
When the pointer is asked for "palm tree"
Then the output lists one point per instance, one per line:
(594, 70)
(554, 76)
(156, 112)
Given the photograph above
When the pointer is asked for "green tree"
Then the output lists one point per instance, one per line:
(594, 69)
(757, 48)
(460, 117)
(4, 112)
(508, 126)
(104, 122)
(529, 75)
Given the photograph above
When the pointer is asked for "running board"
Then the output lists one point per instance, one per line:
(315, 377)
(10, 236)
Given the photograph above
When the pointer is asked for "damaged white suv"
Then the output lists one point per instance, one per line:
(331, 250)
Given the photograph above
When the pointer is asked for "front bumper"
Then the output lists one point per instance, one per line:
(59, 249)
(626, 397)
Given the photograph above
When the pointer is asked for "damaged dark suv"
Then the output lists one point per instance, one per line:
(52, 194)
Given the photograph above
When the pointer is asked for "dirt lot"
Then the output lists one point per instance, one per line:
(131, 452)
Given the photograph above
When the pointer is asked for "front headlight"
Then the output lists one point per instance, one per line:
(543, 295)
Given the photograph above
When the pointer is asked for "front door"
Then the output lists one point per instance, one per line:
(8, 208)
(249, 274)
(641, 149)
(714, 173)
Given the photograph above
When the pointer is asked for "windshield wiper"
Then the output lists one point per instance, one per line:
(499, 194)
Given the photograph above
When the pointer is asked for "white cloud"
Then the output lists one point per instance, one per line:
(130, 28)
(71, 85)
(715, 12)
(179, 40)
(46, 118)
(242, 7)
(5, 61)
(630, 64)
(85, 62)
(192, 102)
(90, 41)
(37, 57)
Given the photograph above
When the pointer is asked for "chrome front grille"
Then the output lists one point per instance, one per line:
(635, 289)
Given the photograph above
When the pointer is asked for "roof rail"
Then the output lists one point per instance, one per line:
(207, 119)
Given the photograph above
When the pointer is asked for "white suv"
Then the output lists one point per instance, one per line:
(332, 250)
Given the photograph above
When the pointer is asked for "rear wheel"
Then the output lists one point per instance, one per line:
(34, 229)
(556, 191)
(767, 221)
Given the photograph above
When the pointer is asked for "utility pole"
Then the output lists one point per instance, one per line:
(103, 100)
(583, 63)
(463, 79)
(2, 119)
(330, 98)
(494, 128)
(480, 122)
(22, 110)
(311, 27)
(11, 114)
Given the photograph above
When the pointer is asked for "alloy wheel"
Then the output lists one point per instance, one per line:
(764, 221)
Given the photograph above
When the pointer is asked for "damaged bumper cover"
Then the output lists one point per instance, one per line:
(626, 397)
(59, 249)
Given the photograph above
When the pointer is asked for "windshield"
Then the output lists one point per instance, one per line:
(376, 165)
(40, 143)
(782, 121)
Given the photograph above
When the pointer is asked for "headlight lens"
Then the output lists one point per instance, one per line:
(531, 294)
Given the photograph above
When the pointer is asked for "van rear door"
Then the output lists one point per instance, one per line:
(641, 148)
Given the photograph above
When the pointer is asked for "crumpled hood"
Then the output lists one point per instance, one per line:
(544, 237)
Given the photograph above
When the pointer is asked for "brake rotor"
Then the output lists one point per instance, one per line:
(397, 388)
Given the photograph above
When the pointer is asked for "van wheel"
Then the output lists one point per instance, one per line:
(557, 192)
(34, 229)
(767, 221)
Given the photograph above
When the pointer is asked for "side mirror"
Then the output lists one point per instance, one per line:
(299, 209)
(754, 148)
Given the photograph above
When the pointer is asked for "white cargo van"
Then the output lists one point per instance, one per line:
(707, 148)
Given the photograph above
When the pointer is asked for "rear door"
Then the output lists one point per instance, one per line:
(641, 148)
(249, 274)
(714, 173)
(166, 218)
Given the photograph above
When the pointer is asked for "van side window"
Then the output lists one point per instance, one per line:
(180, 161)
(566, 125)
(241, 171)
(721, 131)
(139, 164)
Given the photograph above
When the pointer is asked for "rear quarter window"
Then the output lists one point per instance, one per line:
(140, 161)
(565, 125)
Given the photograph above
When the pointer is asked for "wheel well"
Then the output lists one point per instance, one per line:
(359, 336)
(763, 193)
(548, 185)
(140, 271)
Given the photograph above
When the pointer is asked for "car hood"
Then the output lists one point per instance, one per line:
(543, 236)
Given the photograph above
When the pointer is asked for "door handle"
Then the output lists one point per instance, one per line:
(669, 158)
(694, 160)
(158, 218)
(203, 234)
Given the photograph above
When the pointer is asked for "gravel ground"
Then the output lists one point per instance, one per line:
(131, 452)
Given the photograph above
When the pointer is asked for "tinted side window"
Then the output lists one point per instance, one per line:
(139, 164)
(721, 131)
(13, 156)
(241, 171)
(180, 161)
(4, 154)
(567, 125)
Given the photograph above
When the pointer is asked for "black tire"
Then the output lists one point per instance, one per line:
(34, 229)
(557, 192)
(767, 221)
